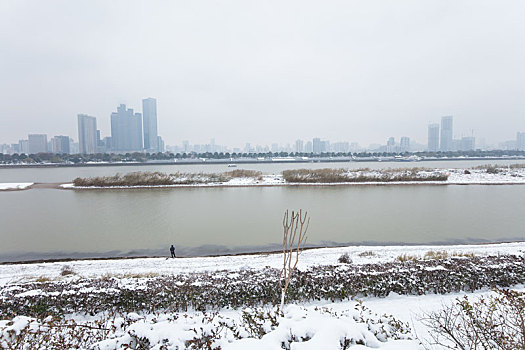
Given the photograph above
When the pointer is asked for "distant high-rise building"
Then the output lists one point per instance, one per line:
(160, 145)
(299, 146)
(23, 146)
(467, 143)
(37, 143)
(391, 145)
(433, 137)
(325, 146)
(446, 133)
(60, 144)
(404, 144)
(316, 145)
(185, 146)
(340, 147)
(126, 130)
(308, 148)
(149, 113)
(87, 134)
(520, 141)
(15, 147)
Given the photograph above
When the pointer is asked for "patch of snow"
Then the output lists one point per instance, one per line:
(15, 186)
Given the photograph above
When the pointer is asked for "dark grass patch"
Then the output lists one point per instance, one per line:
(329, 175)
(162, 179)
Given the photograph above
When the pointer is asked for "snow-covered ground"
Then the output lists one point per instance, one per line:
(313, 257)
(313, 325)
(15, 186)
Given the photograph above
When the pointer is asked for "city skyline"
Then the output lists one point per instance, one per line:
(316, 70)
(128, 130)
(138, 132)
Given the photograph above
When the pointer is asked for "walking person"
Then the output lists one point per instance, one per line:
(172, 251)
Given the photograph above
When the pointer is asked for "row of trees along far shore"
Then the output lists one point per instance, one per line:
(55, 158)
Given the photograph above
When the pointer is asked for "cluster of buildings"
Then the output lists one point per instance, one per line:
(517, 144)
(38, 143)
(441, 139)
(316, 146)
(137, 132)
(130, 132)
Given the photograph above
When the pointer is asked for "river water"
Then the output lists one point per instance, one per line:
(51, 223)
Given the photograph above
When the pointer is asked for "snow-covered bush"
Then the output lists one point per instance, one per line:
(496, 322)
(253, 288)
(260, 328)
(345, 259)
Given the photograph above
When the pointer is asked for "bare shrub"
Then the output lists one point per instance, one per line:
(130, 179)
(367, 253)
(500, 166)
(315, 175)
(243, 173)
(54, 333)
(405, 258)
(436, 255)
(361, 175)
(443, 255)
(495, 322)
(294, 238)
(67, 270)
(161, 179)
(492, 169)
(42, 279)
(345, 259)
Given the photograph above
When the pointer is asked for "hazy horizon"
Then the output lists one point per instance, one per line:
(264, 72)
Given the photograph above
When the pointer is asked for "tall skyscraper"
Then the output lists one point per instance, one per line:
(433, 137)
(60, 144)
(299, 147)
(316, 145)
(87, 134)
(446, 133)
(149, 112)
(126, 130)
(37, 143)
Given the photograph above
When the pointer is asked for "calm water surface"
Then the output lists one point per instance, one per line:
(56, 223)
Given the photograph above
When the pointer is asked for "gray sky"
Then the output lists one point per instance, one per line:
(265, 71)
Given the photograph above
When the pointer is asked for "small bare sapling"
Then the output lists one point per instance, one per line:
(295, 227)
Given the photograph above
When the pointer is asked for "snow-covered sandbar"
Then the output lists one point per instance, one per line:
(15, 186)
(455, 177)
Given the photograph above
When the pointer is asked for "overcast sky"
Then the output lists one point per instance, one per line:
(265, 71)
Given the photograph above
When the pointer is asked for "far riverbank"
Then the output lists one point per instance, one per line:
(249, 161)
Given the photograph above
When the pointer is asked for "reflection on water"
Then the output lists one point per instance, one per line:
(219, 220)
